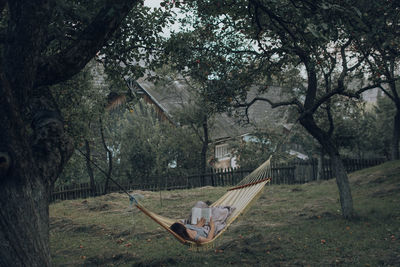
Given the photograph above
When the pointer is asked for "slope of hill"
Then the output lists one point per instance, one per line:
(290, 225)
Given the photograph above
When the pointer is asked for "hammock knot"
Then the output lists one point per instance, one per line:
(132, 200)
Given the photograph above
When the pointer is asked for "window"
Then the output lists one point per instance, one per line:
(221, 151)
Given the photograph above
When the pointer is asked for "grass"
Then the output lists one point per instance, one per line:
(290, 225)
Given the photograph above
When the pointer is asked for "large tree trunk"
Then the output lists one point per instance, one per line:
(342, 180)
(396, 135)
(394, 96)
(320, 170)
(90, 169)
(33, 146)
(109, 158)
(24, 220)
(31, 156)
(203, 164)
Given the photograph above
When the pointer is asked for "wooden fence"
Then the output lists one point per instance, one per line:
(291, 173)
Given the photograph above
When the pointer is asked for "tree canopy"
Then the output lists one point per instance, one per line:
(44, 43)
(273, 37)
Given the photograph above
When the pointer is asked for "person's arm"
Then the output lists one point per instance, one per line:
(210, 234)
(201, 222)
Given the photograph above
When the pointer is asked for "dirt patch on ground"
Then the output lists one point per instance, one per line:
(67, 225)
(395, 189)
(99, 207)
(164, 262)
(325, 215)
(100, 204)
(362, 178)
(110, 260)
(58, 224)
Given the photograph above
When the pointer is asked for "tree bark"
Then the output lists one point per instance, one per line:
(109, 159)
(320, 170)
(395, 155)
(346, 200)
(90, 169)
(34, 158)
(203, 164)
(342, 181)
(34, 147)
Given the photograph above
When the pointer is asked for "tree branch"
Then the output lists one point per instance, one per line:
(387, 93)
(51, 145)
(70, 61)
(2, 6)
(273, 104)
(338, 91)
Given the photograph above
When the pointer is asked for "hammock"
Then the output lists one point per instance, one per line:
(241, 197)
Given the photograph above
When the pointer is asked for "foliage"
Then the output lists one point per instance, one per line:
(211, 59)
(82, 109)
(378, 39)
(151, 147)
(367, 130)
(83, 105)
(261, 44)
(379, 127)
(136, 44)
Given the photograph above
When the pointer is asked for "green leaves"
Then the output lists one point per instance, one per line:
(137, 42)
(149, 145)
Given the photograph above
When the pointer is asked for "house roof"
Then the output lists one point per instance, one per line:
(175, 95)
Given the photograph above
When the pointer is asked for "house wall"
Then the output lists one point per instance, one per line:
(223, 163)
(160, 113)
(223, 156)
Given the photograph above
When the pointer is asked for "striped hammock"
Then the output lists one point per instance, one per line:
(241, 197)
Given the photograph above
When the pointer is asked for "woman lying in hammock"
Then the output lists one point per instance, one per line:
(202, 232)
(195, 232)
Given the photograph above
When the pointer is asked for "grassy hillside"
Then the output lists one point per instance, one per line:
(296, 225)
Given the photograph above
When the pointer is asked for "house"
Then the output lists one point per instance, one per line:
(225, 128)
(175, 94)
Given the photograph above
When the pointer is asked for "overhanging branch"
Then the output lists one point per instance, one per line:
(70, 61)
(293, 102)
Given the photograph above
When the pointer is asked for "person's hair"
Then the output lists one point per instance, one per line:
(180, 229)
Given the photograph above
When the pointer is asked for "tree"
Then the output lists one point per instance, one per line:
(375, 132)
(81, 109)
(202, 65)
(152, 147)
(43, 43)
(193, 111)
(377, 37)
(296, 34)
